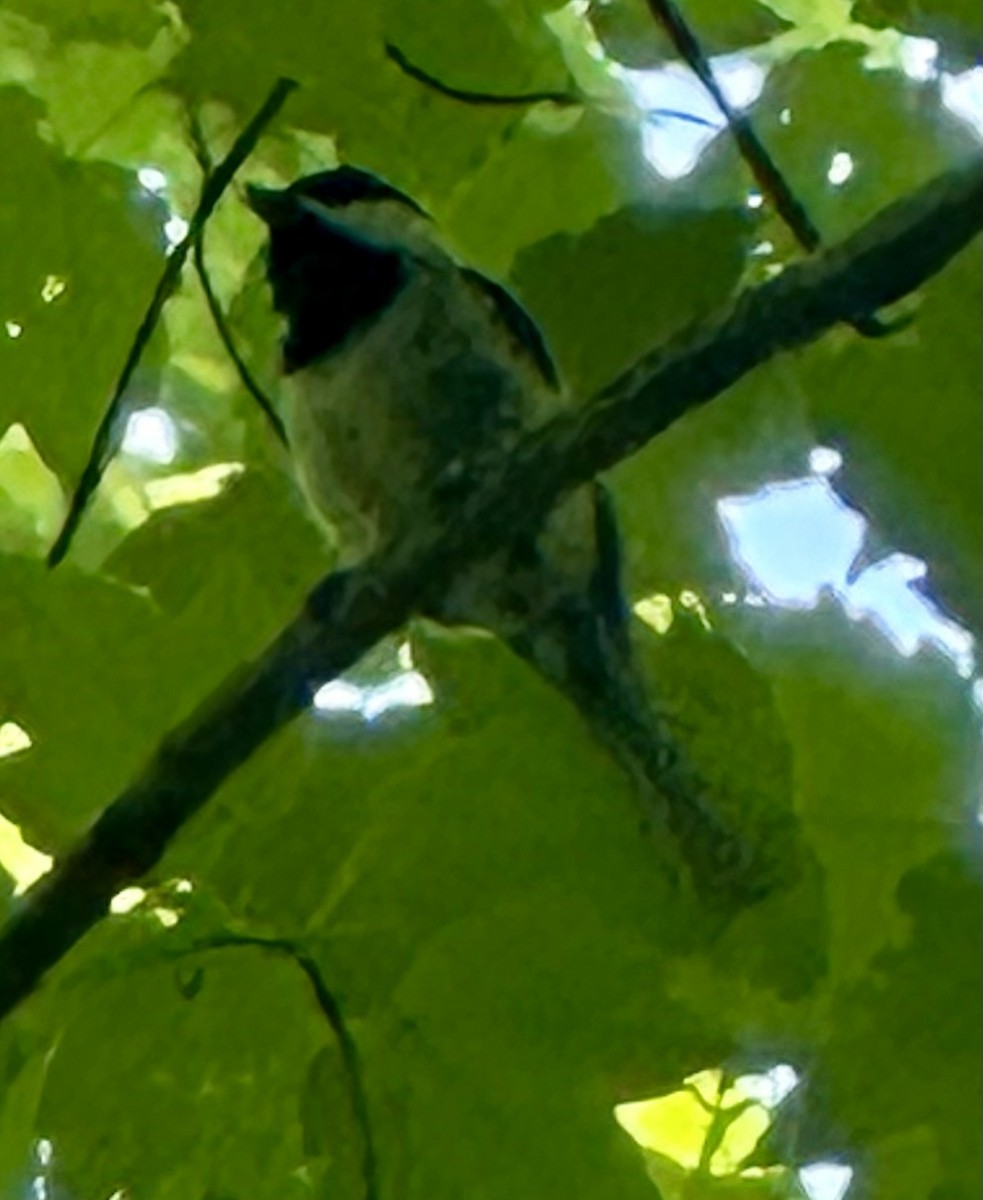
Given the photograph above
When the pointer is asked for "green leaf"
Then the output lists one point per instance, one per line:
(631, 34)
(200, 1094)
(955, 24)
(96, 20)
(350, 91)
(31, 502)
(198, 555)
(906, 1040)
(826, 104)
(584, 169)
(605, 297)
(469, 882)
(81, 248)
(906, 413)
(667, 495)
(886, 751)
(502, 48)
(76, 657)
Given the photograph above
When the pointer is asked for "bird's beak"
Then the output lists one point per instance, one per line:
(270, 205)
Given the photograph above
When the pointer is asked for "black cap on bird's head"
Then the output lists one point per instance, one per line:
(337, 254)
(327, 191)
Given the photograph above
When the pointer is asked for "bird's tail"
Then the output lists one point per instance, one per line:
(579, 640)
(555, 597)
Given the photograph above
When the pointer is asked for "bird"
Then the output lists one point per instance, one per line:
(409, 376)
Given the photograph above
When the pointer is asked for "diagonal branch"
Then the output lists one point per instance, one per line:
(107, 435)
(203, 155)
(890, 256)
(763, 167)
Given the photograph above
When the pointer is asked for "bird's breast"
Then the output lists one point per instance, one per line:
(418, 398)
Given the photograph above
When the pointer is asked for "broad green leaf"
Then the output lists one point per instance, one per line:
(350, 89)
(81, 250)
(954, 23)
(189, 555)
(468, 875)
(21, 1086)
(906, 1040)
(31, 501)
(886, 752)
(607, 296)
(78, 661)
(103, 689)
(550, 179)
(482, 47)
(906, 413)
(200, 1095)
(843, 135)
(631, 34)
(667, 495)
(108, 79)
(97, 20)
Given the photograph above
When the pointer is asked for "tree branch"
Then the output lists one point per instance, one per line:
(108, 433)
(890, 256)
(763, 167)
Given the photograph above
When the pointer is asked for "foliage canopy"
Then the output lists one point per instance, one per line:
(425, 952)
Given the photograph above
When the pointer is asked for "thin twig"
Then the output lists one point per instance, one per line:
(495, 99)
(203, 156)
(225, 336)
(328, 1004)
(106, 440)
(678, 114)
(768, 177)
(199, 143)
(774, 187)
(894, 253)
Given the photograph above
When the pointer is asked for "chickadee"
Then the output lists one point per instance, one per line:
(408, 374)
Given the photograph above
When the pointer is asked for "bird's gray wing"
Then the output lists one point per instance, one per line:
(523, 330)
